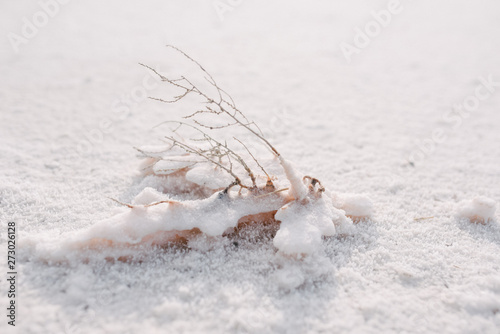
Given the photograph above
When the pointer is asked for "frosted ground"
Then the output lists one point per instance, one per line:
(386, 124)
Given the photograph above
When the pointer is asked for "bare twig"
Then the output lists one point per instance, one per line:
(422, 218)
(176, 98)
(220, 104)
(195, 151)
(121, 203)
(225, 147)
(161, 202)
(146, 205)
(253, 157)
(149, 153)
(274, 192)
(214, 127)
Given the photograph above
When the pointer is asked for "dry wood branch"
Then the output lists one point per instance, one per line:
(176, 98)
(149, 153)
(422, 218)
(121, 203)
(216, 151)
(253, 157)
(163, 78)
(144, 206)
(237, 116)
(161, 202)
(214, 127)
(273, 192)
(190, 149)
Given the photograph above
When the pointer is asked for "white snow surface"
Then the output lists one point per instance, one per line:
(480, 209)
(303, 225)
(206, 175)
(72, 108)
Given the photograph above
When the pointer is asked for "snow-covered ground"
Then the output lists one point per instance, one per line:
(408, 115)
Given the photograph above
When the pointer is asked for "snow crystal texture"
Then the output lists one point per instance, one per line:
(73, 104)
